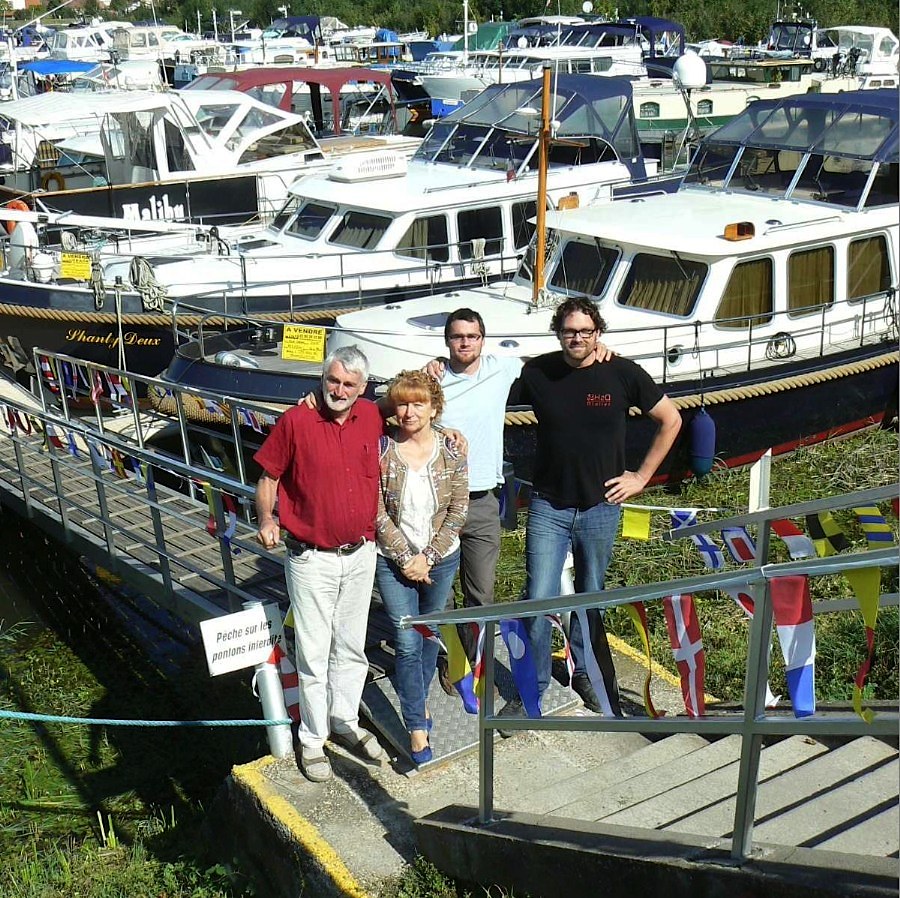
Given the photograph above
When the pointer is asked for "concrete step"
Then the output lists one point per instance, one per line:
(878, 835)
(833, 812)
(552, 798)
(667, 808)
(651, 783)
(794, 787)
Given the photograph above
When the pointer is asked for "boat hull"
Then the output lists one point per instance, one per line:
(782, 408)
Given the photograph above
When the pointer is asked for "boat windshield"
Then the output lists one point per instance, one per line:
(667, 284)
(582, 269)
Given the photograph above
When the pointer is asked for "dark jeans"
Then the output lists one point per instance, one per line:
(416, 656)
(553, 530)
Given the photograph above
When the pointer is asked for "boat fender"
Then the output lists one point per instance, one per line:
(702, 442)
(53, 181)
(19, 206)
(819, 65)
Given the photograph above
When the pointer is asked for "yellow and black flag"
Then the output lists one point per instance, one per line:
(827, 536)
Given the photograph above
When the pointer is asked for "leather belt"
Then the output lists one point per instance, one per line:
(346, 549)
(480, 494)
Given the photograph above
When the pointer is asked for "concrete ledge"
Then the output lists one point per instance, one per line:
(284, 849)
(543, 856)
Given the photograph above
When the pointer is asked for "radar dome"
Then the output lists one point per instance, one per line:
(689, 70)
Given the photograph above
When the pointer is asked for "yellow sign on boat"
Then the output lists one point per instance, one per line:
(76, 266)
(303, 344)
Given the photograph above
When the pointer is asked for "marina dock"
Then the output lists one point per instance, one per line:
(645, 804)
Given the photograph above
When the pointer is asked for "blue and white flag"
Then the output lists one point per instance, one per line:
(522, 666)
(709, 551)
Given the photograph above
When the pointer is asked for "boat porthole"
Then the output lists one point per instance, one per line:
(509, 344)
(674, 354)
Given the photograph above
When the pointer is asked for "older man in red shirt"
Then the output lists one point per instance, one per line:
(322, 466)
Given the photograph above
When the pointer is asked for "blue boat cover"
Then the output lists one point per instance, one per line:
(56, 66)
(857, 124)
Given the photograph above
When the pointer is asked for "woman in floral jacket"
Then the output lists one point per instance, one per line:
(422, 505)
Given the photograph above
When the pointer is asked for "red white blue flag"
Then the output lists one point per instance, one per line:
(792, 608)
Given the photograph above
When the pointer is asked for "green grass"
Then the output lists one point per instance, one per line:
(865, 461)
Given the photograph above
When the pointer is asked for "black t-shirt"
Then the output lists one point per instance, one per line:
(581, 416)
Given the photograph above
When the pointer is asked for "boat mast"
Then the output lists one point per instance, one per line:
(465, 32)
(543, 153)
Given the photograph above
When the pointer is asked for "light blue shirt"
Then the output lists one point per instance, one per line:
(476, 404)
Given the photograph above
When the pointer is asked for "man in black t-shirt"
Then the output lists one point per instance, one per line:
(581, 405)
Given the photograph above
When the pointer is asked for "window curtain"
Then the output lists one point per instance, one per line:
(810, 280)
(747, 296)
(868, 269)
(661, 285)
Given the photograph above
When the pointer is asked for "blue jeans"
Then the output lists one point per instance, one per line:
(416, 657)
(551, 532)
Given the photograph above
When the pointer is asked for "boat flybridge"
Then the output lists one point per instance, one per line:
(778, 252)
(160, 154)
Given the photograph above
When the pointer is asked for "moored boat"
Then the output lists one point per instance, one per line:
(764, 290)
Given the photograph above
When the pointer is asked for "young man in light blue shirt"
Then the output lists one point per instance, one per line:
(476, 388)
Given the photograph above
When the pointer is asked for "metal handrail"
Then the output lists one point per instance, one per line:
(751, 724)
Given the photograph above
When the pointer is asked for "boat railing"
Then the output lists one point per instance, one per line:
(203, 430)
(752, 721)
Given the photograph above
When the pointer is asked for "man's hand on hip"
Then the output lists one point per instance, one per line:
(621, 489)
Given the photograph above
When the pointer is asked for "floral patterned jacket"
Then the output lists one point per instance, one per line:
(450, 483)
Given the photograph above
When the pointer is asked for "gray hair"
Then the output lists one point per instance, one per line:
(351, 357)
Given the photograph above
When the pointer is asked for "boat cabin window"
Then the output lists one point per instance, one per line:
(270, 94)
(834, 179)
(310, 220)
(868, 268)
(748, 296)
(649, 110)
(177, 156)
(434, 140)
(662, 284)
(810, 280)
(885, 186)
(705, 107)
(711, 165)
(250, 123)
(480, 232)
(523, 215)
(213, 118)
(360, 230)
(293, 139)
(426, 238)
(582, 268)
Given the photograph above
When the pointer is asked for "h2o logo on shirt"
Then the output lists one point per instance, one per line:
(598, 400)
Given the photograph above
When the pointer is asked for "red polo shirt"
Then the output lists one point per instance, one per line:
(327, 473)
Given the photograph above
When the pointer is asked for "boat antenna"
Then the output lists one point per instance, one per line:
(543, 161)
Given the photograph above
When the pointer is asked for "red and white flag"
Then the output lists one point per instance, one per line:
(792, 608)
(687, 649)
(799, 545)
(739, 544)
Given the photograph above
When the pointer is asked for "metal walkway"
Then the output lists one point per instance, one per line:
(177, 529)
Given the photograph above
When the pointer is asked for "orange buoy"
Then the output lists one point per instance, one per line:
(19, 206)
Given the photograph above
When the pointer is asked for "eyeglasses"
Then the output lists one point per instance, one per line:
(459, 338)
(585, 334)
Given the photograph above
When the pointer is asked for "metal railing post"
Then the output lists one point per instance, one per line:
(159, 531)
(224, 547)
(108, 533)
(60, 491)
(23, 477)
(486, 733)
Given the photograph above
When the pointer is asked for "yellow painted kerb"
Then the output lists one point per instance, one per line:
(302, 830)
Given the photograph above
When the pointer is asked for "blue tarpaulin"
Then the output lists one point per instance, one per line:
(56, 66)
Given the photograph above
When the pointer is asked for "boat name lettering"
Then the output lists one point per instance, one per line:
(155, 210)
(599, 400)
(129, 338)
